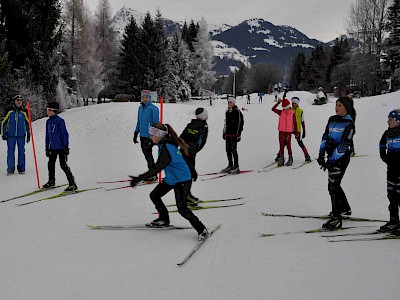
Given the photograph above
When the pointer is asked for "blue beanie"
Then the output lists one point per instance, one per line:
(395, 114)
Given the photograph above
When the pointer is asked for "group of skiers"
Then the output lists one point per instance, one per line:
(15, 130)
(177, 154)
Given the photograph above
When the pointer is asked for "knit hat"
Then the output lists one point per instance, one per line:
(395, 114)
(286, 103)
(348, 104)
(54, 106)
(232, 99)
(17, 97)
(295, 100)
(201, 114)
(145, 93)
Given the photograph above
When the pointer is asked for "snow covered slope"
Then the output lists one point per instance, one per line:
(48, 253)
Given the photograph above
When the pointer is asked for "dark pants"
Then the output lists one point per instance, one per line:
(191, 162)
(231, 151)
(63, 164)
(301, 144)
(181, 191)
(147, 148)
(393, 191)
(338, 197)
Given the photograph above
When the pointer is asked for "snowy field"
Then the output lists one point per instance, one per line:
(47, 252)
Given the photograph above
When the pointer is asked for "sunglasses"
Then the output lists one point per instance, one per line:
(19, 99)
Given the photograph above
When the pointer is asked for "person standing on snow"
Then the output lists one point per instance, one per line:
(233, 128)
(336, 143)
(301, 126)
(148, 114)
(57, 144)
(177, 177)
(195, 135)
(14, 128)
(389, 150)
(286, 127)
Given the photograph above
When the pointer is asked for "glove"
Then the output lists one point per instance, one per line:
(325, 166)
(66, 151)
(382, 154)
(321, 159)
(223, 136)
(48, 152)
(28, 139)
(194, 176)
(4, 137)
(134, 181)
(135, 136)
(238, 138)
(304, 134)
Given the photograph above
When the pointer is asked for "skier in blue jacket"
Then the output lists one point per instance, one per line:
(337, 141)
(148, 115)
(14, 129)
(177, 177)
(57, 144)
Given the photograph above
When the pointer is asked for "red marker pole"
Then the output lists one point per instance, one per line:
(161, 121)
(28, 107)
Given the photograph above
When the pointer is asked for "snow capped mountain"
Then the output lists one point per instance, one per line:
(249, 42)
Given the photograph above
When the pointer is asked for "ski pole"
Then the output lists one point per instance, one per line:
(28, 106)
(161, 121)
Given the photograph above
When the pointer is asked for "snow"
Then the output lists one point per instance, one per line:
(48, 253)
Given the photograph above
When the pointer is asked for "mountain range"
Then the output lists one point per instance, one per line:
(252, 41)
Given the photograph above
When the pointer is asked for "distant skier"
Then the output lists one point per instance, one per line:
(57, 144)
(177, 177)
(195, 135)
(336, 143)
(301, 127)
(233, 128)
(260, 97)
(286, 127)
(248, 98)
(15, 130)
(321, 97)
(389, 148)
(148, 114)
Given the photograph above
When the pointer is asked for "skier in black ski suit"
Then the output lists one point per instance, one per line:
(336, 143)
(195, 135)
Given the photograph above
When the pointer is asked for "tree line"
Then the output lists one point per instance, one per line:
(59, 50)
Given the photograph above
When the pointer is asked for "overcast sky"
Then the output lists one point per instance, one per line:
(319, 19)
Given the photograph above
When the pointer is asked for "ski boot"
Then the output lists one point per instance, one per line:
(392, 225)
(20, 171)
(49, 184)
(277, 157)
(158, 223)
(227, 169)
(307, 158)
(71, 188)
(333, 223)
(290, 161)
(203, 235)
(234, 170)
(192, 200)
(281, 161)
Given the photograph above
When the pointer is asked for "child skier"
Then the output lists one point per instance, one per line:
(301, 126)
(286, 127)
(336, 143)
(57, 144)
(389, 148)
(195, 135)
(233, 128)
(177, 177)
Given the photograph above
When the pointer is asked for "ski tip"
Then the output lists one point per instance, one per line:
(92, 226)
(266, 234)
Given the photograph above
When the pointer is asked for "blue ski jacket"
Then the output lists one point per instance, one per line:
(171, 161)
(338, 137)
(389, 147)
(15, 123)
(56, 133)
(148, 115)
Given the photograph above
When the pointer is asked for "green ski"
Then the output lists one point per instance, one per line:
(309, 231)
(209, 207)
(323, 217)
(62, 194)
(33, 193)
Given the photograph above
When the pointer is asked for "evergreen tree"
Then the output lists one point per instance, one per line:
(297, 71)
(316, 68)
(339, 54)
(392, 49)
(160, 56)
(204, 77)
(189, 34)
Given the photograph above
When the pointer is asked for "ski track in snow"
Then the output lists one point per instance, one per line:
(48, 253)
